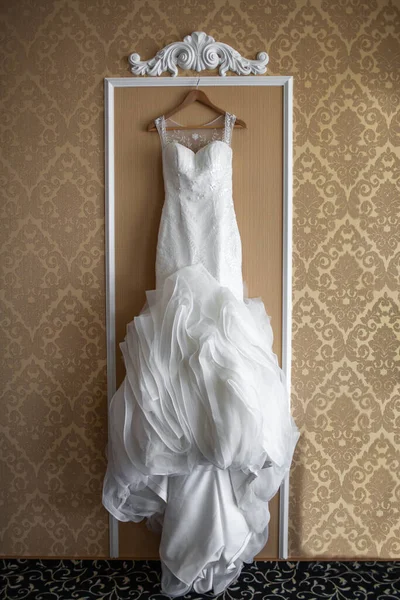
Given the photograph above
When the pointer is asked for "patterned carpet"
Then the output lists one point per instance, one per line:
(140, 580)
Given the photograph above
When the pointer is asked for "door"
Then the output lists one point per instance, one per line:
(258, 191)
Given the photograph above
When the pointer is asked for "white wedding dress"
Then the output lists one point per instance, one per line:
(201, 434)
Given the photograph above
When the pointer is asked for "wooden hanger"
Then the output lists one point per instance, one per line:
(196, 96)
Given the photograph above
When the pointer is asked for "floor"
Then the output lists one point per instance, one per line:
(140, 580)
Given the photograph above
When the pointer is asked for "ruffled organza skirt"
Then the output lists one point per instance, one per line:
(201, 434)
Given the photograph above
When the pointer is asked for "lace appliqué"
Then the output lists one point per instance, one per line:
(196, 138)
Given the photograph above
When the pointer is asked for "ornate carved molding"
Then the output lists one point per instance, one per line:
(198, 52)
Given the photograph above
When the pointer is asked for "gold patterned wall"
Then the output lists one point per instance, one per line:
(345, 59)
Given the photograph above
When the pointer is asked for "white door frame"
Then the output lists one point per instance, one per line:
(287, 84)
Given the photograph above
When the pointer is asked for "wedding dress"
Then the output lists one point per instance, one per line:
(201, 434)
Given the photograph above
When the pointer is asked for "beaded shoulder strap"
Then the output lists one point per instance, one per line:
(160, 124)
(228, 128)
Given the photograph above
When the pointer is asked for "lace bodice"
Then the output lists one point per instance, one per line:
(198, 222)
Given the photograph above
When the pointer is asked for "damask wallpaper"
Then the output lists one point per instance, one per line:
(345, 59)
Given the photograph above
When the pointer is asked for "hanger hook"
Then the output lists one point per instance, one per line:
(198, 81)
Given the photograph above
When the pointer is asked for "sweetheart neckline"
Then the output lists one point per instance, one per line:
(200, 149)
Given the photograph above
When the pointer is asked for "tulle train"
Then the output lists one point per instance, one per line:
(201, 434)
